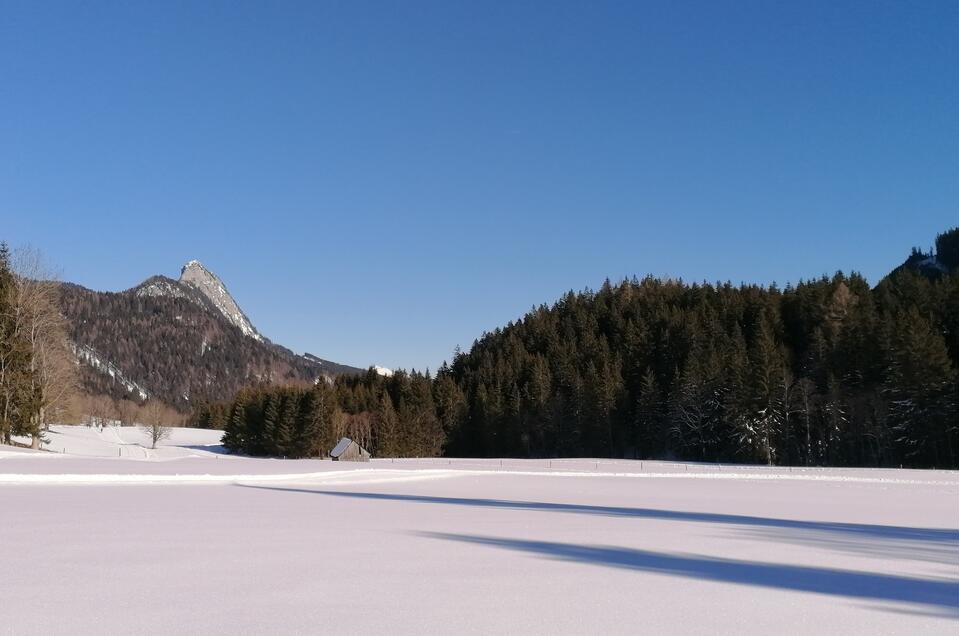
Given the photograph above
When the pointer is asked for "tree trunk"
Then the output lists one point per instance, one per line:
(41, 424)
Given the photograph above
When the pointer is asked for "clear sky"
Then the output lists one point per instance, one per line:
(379, 182)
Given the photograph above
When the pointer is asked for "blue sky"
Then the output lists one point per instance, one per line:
(379, 182)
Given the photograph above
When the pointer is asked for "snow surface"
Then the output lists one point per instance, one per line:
(128, 442)
(193, 540)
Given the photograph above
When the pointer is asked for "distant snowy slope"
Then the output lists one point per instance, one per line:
(160, 286)
(129, 442)
(90, 356)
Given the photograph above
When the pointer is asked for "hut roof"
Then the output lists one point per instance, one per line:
(341, 447)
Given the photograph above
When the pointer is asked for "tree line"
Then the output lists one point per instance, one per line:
(392, 416)
(826, 372)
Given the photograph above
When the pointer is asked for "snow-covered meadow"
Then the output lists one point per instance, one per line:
(105, 535)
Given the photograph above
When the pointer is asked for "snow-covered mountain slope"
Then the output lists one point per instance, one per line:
(210, 285)
(89, 356)
(159, 286)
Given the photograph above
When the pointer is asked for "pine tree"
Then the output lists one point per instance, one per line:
(450, 402)
(285, 431)
(921, 391)
(947, 248)
(387, 428)
(266, 443)
(314, 423)
(19, 399)
(649, 417)
(763, 419)
(234, 436)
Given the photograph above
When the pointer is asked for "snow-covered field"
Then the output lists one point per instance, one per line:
(128, 442)
(110, 537)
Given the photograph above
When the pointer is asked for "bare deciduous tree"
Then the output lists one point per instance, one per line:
(154, 422)
(39, 324)
(100, 410)
(358, 427)
(129, 412)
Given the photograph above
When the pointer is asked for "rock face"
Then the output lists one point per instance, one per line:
(210, 285)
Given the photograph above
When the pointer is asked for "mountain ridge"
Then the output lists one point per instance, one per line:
(194, 273)
(181, 341)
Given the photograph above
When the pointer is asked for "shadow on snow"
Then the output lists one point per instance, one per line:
(899, 533)
(942, 595)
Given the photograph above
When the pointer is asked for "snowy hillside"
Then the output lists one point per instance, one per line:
(160, 287)
(89, 356)
(128, 442)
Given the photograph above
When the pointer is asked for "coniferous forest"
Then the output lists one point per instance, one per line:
(827, 372)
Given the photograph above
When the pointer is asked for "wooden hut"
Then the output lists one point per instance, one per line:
(349, 451)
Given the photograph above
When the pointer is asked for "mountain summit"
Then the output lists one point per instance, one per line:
(210, 285)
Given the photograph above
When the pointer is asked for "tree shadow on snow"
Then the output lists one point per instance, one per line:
(939, 551)
(216, 449)
(940, 596)
(944, 537)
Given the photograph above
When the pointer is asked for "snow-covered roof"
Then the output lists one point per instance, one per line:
(341, 447)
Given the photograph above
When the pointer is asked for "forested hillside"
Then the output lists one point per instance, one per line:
(829, 371)
(167, 340)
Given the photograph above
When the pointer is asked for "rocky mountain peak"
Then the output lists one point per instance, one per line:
(209, 284)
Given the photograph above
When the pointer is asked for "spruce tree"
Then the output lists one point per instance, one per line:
(285, 431)
(947, 248)
(266, 443)
(921, 391)
(19, 398)
(650, 417)
(234, 436)
(311, 424)
(387, 428)
(762, 421)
